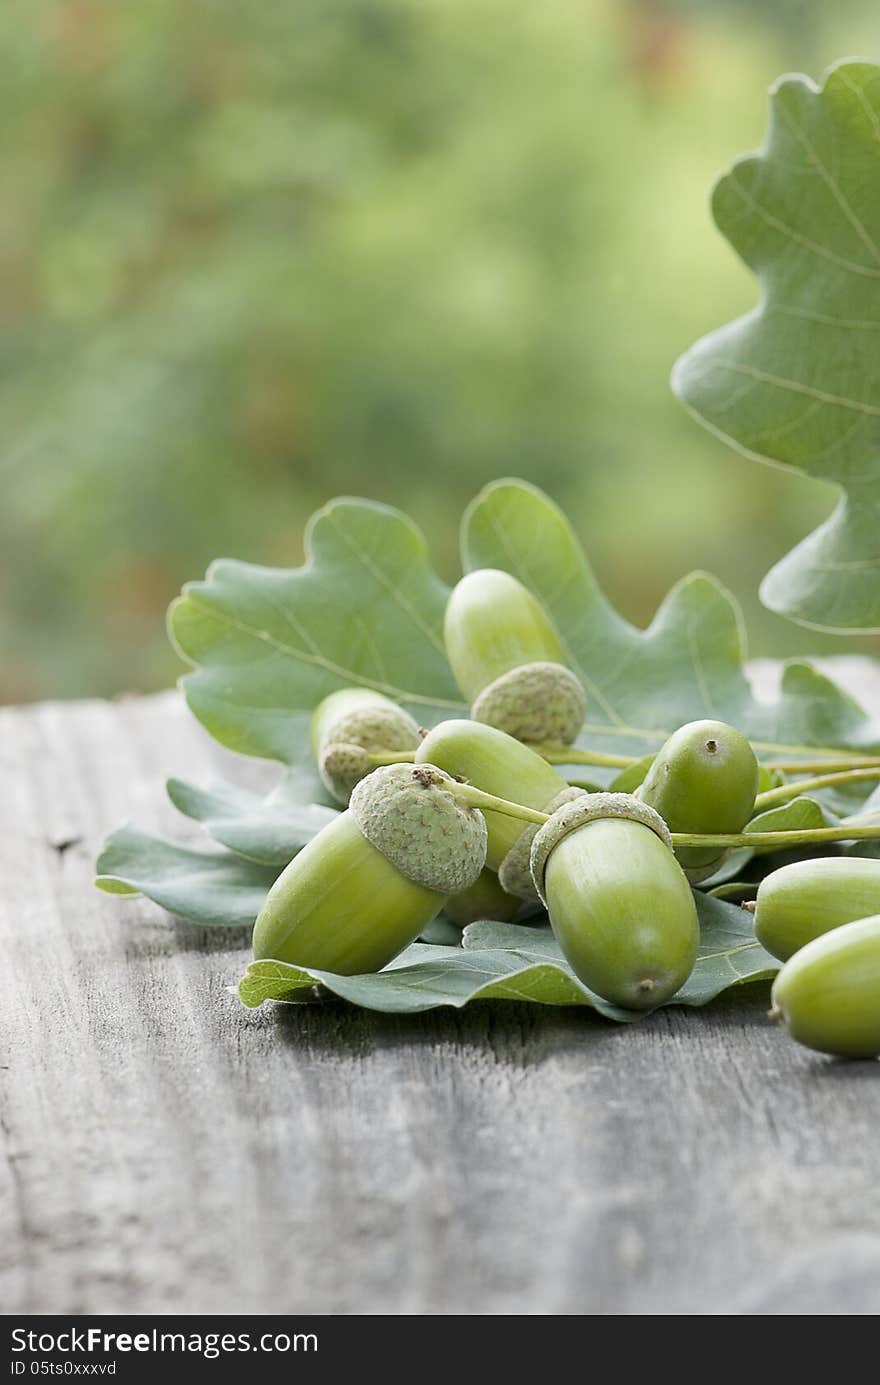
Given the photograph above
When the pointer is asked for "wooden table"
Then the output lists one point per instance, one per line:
(167, 1151)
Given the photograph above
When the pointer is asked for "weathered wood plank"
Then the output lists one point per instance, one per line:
(166, 1151)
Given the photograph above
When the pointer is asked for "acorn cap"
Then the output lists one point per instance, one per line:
(586, 809)
(339, 704)
(370, 724)
(341, 766)
(514, 873)
(536, 702)
(377, 727)
(408, 814)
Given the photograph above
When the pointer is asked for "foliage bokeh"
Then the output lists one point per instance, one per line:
(255, 256)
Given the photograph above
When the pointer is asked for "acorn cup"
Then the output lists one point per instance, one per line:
(619, 902)
(703, 779)
(509, 662)
(367, 885)
(828, 994)
(349, 728)
(500, 765)
(803, 900)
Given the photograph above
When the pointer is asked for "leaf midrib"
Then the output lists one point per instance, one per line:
(318, 660)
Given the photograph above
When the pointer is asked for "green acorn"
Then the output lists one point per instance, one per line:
(501, 765)
(369, 882)
(803, 900)
(485, 899)
(509, 661)
(352, 726)
(703, 779)
(619, 903)
(828, 994)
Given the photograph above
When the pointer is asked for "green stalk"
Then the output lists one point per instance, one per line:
(847, 758)
(393, 757)
(838, 766)
(813, 836)
(832, 761)
(573, 755)
(473, 797)
(771, 797)
(825, 752)
(476, 798)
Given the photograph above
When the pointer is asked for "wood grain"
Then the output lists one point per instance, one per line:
(166, 1151)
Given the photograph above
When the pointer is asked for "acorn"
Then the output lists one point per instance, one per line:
(703, 779)
(509, 661)
(620, 904)
(501, 765)
(349, 728)
(828, 994)
(803, 900)
(367, 885)
(485, 899)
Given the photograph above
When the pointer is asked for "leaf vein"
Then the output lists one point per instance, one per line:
(827, 319)
(866, 106)
(853, 266)
(796, 387)
(832, 184)
(320, 660)
(394, 592)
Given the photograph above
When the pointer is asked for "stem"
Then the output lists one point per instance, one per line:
(393, 757)
(837, 761)
(839, 765)
(834, 753)
(807, 837)
(573, 755)
(830, 752)
(785, 792)
(473, 797)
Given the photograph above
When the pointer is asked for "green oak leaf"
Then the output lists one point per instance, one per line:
(270, 829)
(798, 815)
(500, 961)
(367, 609)
(869, 848)
(643, 684)
(631, 778)
(268, 644)
(208, 888)
(729, 952)
(734, 891)
(795, 381)
(729, 869)
(424, 978)
(868, 816)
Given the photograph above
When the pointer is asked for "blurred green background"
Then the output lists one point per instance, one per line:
(256, 255)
